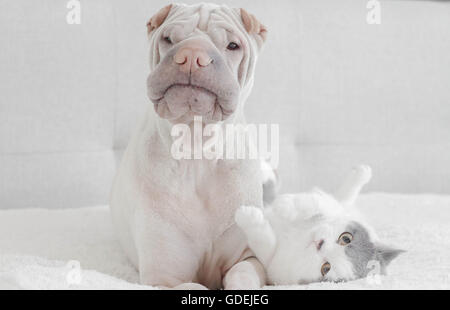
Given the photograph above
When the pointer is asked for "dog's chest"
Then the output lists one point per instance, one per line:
(204, 194)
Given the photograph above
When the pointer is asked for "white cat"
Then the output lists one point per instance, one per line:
(310, 237)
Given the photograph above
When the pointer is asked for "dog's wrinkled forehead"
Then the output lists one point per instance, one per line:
(208, 20)
(203, 16)
(202, 22)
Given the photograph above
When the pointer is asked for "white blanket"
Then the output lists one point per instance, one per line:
(41, 249)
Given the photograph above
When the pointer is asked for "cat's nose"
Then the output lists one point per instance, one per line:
(319, 244)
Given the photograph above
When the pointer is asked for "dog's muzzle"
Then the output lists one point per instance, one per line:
(193, 80)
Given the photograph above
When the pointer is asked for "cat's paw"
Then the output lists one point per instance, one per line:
(361, 174)
(247, 216)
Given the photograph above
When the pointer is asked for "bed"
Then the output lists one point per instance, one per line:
(77, 249)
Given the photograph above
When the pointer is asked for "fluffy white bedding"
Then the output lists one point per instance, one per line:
(37, 245)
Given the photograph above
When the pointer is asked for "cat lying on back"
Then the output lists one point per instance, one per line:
(311, 237)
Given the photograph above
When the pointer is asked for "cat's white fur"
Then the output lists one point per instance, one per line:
(284, 235)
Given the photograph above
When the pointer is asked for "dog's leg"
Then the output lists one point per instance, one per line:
(246, 275)
(350, 189)
(166, 258)
(190, 286)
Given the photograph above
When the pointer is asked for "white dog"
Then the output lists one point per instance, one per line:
(175, 218)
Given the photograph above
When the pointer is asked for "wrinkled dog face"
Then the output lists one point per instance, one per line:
(201, 60)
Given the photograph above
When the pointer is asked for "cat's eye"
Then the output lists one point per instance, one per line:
(345, 238)
(326, 267)
(233, 46)
(167, 40)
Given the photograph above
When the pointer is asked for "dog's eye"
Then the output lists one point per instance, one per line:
(326, 267)
(345, 238)
(167, 40)
(233, 46)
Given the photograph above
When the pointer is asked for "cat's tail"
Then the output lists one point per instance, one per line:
(350, 189)
(271, 182)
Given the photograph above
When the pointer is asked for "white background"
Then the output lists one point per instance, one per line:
(342, 91)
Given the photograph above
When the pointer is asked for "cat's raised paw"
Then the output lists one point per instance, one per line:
(361, 174)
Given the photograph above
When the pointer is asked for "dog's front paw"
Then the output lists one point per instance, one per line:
(190, 287)
(247, 216)
(243, 281)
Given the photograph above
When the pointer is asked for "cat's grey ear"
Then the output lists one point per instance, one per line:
(386, 255)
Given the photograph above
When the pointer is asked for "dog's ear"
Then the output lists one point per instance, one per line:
(253, 26)
(158, 18)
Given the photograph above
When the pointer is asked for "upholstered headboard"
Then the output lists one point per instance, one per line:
(342, 91)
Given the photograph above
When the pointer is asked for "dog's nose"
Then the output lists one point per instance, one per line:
(191, 58)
